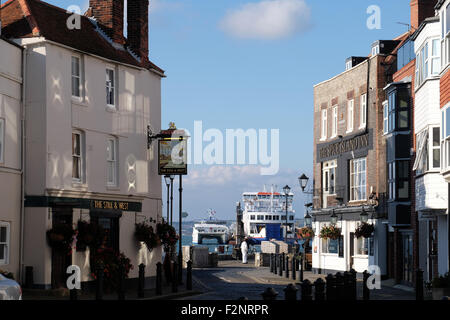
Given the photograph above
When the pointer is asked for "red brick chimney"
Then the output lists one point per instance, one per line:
(109, 15)
(137, 32)
(420, 10)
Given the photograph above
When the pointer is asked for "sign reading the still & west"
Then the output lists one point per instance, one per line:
(172, 152)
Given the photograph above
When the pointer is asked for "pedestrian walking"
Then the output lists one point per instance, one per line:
(244, 250)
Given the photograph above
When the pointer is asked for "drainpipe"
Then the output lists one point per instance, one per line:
(22, 191)
(367, 95)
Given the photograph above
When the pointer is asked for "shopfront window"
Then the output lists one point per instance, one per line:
(362, 246)
(330, 245)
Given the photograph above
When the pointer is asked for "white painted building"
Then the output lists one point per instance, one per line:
(431, 188)
(86, 148)
(10, 155)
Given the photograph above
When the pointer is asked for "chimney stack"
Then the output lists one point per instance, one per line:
(420, 10)
(109, 15)
(137, 32)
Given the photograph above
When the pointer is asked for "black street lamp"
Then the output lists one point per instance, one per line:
(333, 218)
(287, 191)
(167, 181)
(308, 220)
(364, 216)
(303, 179)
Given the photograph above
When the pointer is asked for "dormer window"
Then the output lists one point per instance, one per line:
(375, 50)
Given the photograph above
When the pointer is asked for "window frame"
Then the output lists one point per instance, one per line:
(334, 121)
(111, 87)
(385, 117)
(113, 161)
(354, 177)
(358, 247)
(329, 168)
(363, 111)
(324, 124)
(350, 115)
(79, 77)
(325, 246)
(80, 157)
(7, 242)
(2, 140)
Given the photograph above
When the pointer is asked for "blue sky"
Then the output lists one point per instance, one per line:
(227, 67)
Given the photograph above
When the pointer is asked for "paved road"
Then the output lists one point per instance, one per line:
(233, 280)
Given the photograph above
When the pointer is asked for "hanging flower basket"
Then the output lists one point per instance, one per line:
(305, 233)
(330, 232)
(144, 232)
(89, 235)
(60, 237)
(110, 262)
(364, 230)
(167, 235)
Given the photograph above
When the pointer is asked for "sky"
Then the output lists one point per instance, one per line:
(252, 64)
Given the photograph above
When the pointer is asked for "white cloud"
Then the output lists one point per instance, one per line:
(268, 19)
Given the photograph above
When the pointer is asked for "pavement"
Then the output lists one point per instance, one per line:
(232, 280)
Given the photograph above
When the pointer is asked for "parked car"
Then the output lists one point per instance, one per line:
(9, 289)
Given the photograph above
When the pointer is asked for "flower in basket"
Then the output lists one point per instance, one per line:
(144, 232)
(305, 233)
(89, 235)
(60, 236)
(364, 230)
(167, 234)
(330, 232)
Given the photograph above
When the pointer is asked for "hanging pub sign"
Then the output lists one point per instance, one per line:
(172, 152)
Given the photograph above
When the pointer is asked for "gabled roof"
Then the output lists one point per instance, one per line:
(35, 18)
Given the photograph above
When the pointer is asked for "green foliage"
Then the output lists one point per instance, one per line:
(330, 232)
(144, 232)
(364, 230)
(89, 235)
(60, 237)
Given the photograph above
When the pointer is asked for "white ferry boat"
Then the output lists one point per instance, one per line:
(211, 229)
(264, 216)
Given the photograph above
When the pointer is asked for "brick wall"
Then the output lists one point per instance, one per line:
(109, 14)
(445, 88)
(137, 11)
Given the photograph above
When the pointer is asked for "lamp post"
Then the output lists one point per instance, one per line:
(171, 177)
(303, 179)
(167, 181)
(308, 219)
(286, 190)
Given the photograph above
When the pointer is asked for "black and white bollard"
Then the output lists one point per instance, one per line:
(286, 273)
(159, 278)
(293, 269)
(189, 275)
(121, 287)
(175, 277)
(99, 284)
(141, 283)
(280, 265)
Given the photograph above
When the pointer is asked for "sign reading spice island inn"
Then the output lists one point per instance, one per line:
(337, 148)
(172, 152)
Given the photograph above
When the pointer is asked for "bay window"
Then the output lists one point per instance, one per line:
(428, 61)
(358, 186)
(398, 180)
(445, 139)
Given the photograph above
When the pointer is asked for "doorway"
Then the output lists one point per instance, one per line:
(352, 248)
(60, 259)
(407, 246)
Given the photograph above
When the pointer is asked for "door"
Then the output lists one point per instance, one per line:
(60, 259)
(110, 226)
(407, 258)
(352, 248)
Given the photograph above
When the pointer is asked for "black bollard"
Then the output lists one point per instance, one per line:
(419, 284)
(366, 291)
(306, 290)
(275, 264)
(73, 294)
(331, 287)
(319, 293)
(189, 275)
(175, 277)
(287, 268)
(269, 294)
(141, 283)
(99, 284)
(347, 285)
(290, 292)
(121, 286)
(354, 289)
(159, 278)
(280, 265)
(340, 294)
(29, 282)
(300, 270)
(294, 262)
(271, 262)
(284, 257)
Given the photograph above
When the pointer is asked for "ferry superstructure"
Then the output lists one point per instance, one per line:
(211, 229)
(264, 215)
